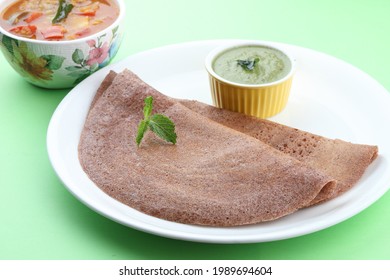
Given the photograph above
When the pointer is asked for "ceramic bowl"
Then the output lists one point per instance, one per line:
(261, 100)
(61, 64)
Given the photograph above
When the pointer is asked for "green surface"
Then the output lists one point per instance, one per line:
(40, 219)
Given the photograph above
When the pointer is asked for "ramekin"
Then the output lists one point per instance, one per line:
(259, 100)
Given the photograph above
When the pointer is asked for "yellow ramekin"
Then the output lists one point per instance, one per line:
(259, 100)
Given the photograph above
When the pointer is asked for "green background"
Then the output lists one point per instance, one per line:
(40, 219)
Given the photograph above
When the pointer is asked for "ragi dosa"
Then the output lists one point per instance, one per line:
(344, 161)
(214, 175)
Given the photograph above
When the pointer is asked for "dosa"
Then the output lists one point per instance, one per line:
(214, 175)
(344, 161)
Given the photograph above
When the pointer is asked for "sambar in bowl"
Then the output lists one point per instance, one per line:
(58, 43)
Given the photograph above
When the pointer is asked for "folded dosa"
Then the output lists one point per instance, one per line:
(344, 161)
(214, 175)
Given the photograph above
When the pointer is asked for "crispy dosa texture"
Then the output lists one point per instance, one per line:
(213, 176)
(343, 161)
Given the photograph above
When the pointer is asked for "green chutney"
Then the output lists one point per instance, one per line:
(252, 65)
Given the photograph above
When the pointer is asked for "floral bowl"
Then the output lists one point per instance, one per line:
(61, 64)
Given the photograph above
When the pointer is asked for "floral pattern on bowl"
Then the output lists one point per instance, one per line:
(60, 66)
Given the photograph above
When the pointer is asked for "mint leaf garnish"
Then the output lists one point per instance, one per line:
(148, 106)
(142, 128)
(161, 125)
(248, 65)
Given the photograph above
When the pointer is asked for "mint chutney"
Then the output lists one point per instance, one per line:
(252, 65)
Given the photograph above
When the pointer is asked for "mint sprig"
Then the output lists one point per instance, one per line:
(161, 125)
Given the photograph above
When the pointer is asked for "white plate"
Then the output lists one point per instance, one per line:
(329, 97)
